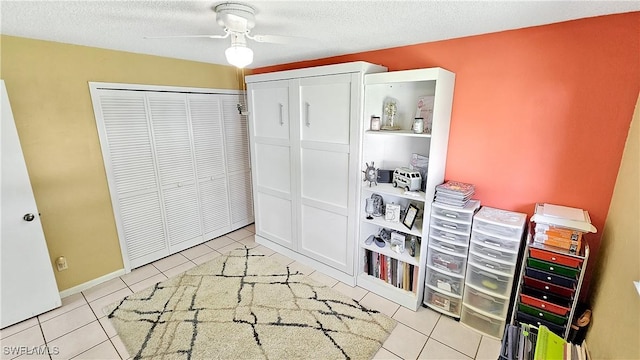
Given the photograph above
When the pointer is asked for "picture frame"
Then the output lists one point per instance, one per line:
(410, 216)
(397, 242)
(392, 213)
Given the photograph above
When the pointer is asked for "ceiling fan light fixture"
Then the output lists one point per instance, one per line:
(239, 55)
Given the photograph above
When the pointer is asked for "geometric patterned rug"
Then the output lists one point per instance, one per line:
(243, 305)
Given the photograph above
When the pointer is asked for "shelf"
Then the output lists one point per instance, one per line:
(403, 297)
(388, 189)
(408, 133)
(386, 251)
(380, 221)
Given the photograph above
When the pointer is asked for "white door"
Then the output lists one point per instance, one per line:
(326, 185)
(28, 287)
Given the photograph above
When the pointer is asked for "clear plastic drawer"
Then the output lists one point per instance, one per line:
(493, 253)
(450, 224)
(451, 212)
(489, 281)
(448, 246)
(445, 261)
(484, 324)
(488, 263)
(442, 301)
(445, 234)
(495, 241)
(491, 304)
(445, 282)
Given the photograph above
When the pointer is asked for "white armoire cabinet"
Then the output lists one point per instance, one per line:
(177, 164)
(305, 128)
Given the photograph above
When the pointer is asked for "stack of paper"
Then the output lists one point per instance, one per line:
(561, 226)
(454, 193)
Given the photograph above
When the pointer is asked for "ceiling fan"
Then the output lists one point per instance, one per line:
(237, 20)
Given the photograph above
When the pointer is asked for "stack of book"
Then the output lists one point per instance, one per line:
(561, 227)
(454, 193)
(395, 272)
(527, 342)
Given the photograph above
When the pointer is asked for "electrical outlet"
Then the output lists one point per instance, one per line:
(61, 263)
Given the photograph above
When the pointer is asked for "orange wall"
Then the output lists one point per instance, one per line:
(539, 114)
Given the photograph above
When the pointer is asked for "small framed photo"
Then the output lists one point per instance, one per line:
(397, 242)
(392, 213)
(410, 216)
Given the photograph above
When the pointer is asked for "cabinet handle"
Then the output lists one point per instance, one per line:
(281, 118)
(551, 268)
(451, 215)
(492, 243)
(449, 226)
(307, 120)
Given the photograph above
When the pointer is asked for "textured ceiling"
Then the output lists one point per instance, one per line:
(325, 28)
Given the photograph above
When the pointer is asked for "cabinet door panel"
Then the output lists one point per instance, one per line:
(206, 124)
(240, 199)
(270, 109)
(325, 176)
(215, 206)
(323, 238)
(236, 134)
(183, 215)
(273, 167)
(274, 219)
(325, 108)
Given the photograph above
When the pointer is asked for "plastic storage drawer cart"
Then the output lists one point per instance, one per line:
(447, 256)
(496, 239)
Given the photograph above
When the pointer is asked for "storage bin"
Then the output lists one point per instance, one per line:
(499, 222)
(445, 282)
(446, 261)
(450, 224)
(553, 268)
(546, 296)
(493, 253)
(542, 314)
(495, 242)
(557, 258)
(546, 286)
(485, 324)
(544, 305)
(532, 320)
(446, 245)
(451, 212)
(484, 262)
(445, 234)
(442, 301)
(480, 300)
(552, 278)
(488, 281)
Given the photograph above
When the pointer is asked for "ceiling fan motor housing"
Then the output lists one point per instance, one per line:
(236, 17)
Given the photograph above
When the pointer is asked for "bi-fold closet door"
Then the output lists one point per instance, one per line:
(177, 166)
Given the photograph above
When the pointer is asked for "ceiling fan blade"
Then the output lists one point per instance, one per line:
(275, 39)
(188, 36)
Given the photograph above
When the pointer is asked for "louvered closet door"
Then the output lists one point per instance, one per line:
(237, 161)
(131, 173)
(206, 124)
(327, 193)
(171, 132)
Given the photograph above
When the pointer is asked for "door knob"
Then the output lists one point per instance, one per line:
(28, 217)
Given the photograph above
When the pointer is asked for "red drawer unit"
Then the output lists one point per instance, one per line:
(543, 285)
(544, 305)
(556, 258)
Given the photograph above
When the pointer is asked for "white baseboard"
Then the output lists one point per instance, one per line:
(84, 286)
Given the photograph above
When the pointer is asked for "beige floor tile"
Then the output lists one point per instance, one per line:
(99, 305)
(119, 345)
(139, 274)
(301, 268)
(379, 303)
(68, 303)
(179, 269)
(405, 342)
(29, 337)
(79, 341)
(264, 250)
(67, 322)
(249, 241)
(239, 234)
(323, 279)
(489, 349)
(423, 320)
(251, 228)
(204, 258)
(170, 261)
(435, 350)
(384, 354)
(220, 242)
(104, 350)
(456, 336)
(225, 249)
(196, 251)
(284, 260)
(103, 289)
(107, 326)
(354, 292)
(16, 328)
(41, 353)
(148, 282)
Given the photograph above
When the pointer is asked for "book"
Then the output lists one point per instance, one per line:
(414, 285)
(549, 346)
(554, 217)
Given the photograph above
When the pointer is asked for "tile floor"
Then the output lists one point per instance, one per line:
(80, 330)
